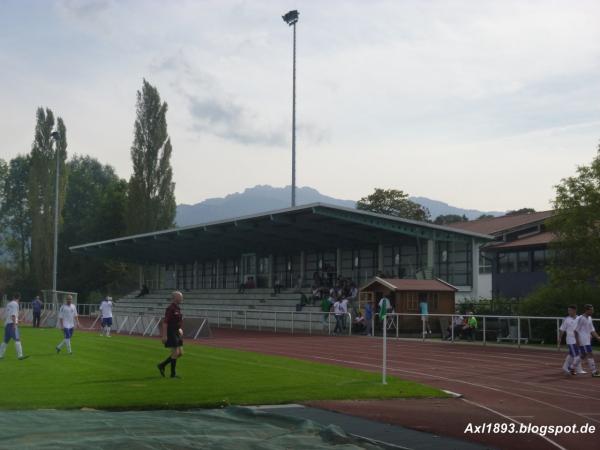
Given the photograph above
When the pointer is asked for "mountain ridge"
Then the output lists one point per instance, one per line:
(262, 198)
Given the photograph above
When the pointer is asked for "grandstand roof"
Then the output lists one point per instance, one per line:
(315, 226)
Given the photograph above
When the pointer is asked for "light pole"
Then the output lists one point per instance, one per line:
(291, 18)
(55, 136)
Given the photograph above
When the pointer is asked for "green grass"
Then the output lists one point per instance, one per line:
(120, 373)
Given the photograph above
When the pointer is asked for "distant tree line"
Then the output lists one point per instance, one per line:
(94, 204)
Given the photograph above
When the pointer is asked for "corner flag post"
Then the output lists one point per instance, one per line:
(383, 381)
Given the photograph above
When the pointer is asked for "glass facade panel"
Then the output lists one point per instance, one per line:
(523, 261)
(539, 261)
(507, 262)
(453, 262)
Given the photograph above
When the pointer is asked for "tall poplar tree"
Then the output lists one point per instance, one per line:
(15, 215)
(42, 176)
(151, 197)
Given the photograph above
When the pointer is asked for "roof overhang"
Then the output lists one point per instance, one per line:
(316, 226)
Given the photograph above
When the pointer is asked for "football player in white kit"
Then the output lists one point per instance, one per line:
(11, 329)
(106, 311)
(568, 327)
(67, 318)
(585, 330)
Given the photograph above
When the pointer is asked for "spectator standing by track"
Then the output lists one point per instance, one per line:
(36, 308)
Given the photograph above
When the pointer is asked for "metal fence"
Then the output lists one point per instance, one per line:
(519, 330)
(489, 328)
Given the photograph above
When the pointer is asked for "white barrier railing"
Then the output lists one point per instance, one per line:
(259, 319)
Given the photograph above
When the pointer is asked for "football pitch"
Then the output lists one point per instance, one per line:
(119, 373)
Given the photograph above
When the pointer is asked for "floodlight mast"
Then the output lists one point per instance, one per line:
(291, 18)
(55, 136)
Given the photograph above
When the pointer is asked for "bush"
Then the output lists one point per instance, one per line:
(553, 300)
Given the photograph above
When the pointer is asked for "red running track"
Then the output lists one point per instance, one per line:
(498, 384)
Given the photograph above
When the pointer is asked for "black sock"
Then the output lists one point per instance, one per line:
(165, 362)
(173, 364)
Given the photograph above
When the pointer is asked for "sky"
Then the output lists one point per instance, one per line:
(481, 104)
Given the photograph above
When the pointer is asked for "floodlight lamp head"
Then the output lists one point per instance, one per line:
(291, 17)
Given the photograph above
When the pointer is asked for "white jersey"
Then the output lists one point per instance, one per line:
(12, 309)
(568, 326)
(344, 305)
(584, 329)
(338, 309)
(106, 309)
(68, 313)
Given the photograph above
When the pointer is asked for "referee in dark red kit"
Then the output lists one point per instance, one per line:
(172, 334)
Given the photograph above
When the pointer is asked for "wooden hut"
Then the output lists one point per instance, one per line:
(405, 295)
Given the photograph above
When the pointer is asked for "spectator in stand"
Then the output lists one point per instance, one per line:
(277, 287)
(353, 293)
(457, 324)
(316, 293)
(143, 291)
(339, 314)
(250, 284)
(359, 324)
(326, 304)
(369, 319)
(345, 311)
(36, 307)
(470, 326)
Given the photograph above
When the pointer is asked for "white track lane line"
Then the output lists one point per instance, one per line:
(493, 411)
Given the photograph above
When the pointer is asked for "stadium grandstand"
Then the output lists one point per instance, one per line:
(241, 262)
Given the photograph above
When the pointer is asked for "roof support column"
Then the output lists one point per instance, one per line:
(379, 258)
(475, 274)
(338, 261)
(271, 260)
(218, 271)
(195, 276)
(302, 268)
(430, 257)
(141, 275)
(157, 283)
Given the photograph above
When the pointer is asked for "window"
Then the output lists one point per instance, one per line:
(523, 261)
(412, 302)
(485, 263)
(539, 261)
(507, 262)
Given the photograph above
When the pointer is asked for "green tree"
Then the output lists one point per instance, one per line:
(41, 195)
(576, 223)
(3, 231)
(15, 214)
(485, 216)
(393, 202)
(151, 197)
(446, 219)
(95, 209)
(520, 211)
